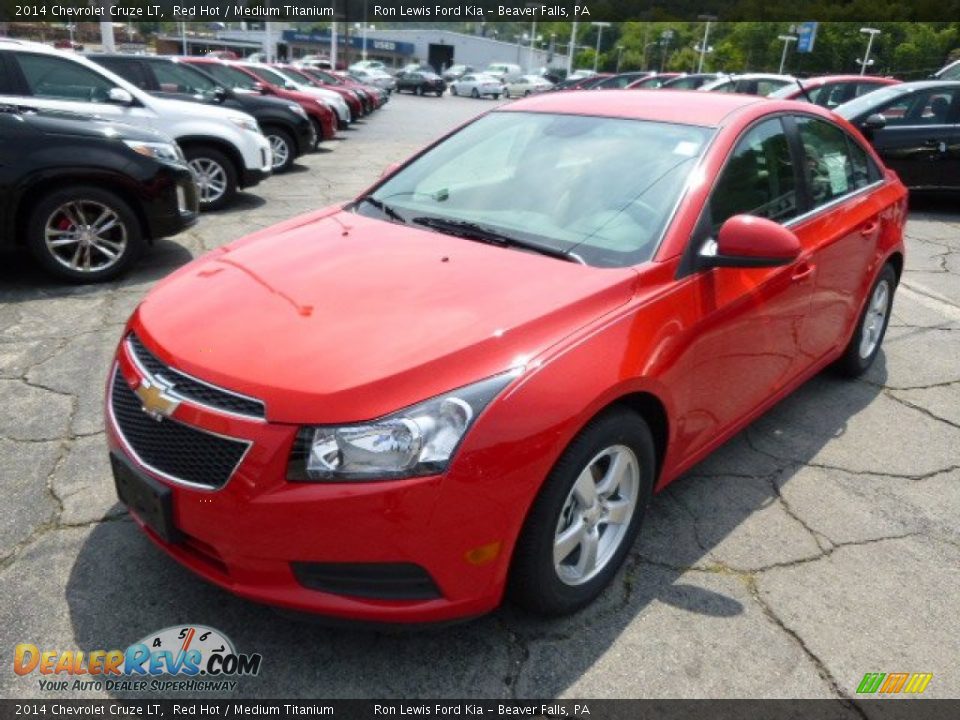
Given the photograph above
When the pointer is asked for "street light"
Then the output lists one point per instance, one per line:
(600, 26)
(786, 40)
(573, 46)
(533, 34)
(665, 37)
(619, 56)
(706, 37)
(648, 45)
(872, 33)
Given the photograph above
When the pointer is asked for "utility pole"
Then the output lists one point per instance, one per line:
(573, 47)
(333, 45)
(600, 26)
(706, 38)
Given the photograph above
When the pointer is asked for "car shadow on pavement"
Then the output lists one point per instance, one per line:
(121, 587)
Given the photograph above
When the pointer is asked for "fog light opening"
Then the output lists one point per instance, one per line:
(483, 554)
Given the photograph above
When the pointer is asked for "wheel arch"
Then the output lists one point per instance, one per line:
(223, 146)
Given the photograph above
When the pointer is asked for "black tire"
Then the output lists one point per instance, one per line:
(534, 582)
(475, 93)
(419, 90)
(278, 135)
(453, 90)
(204, 154)
(439, 93)
(506, 93)
(90, 198)
(852, 363)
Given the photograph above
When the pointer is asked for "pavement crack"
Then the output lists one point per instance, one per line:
(919, 408)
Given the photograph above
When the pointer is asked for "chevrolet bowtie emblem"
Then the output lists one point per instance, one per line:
(154, 399)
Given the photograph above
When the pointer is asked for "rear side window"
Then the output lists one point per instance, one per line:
(834, 165)
(758, 179)
(130, 70)
(49, 76)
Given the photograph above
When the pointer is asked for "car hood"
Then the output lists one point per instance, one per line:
(167, 106)
(337, 317)
(53, 122)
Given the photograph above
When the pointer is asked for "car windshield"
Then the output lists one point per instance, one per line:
(598, 189)
(867, 102)
(274, 77)
(296, 75)
(951, 72)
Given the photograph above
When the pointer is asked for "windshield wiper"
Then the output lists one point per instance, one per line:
(383, 207)
(481, 233)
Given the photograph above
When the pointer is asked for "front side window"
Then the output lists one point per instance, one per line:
(923, 107)
(602, 188)
(130, 70)
(758, 179)
(49, 76)
(175, 78)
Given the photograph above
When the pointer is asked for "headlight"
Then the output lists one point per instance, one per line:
(298, 109)
(246, 122)
(419, 440)
(168, 152)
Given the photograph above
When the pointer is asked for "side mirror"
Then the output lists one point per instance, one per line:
(220, 94)
(874, 122)
(746, 241)
(119, 96)
(390, 169)
(261, 88)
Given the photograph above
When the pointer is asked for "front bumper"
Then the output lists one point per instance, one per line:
(175, 205)
(257, 161)
(255, 534)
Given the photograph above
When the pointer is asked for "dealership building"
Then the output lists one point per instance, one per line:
(394, 47)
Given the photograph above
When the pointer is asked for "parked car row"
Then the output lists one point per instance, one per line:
(114, 151)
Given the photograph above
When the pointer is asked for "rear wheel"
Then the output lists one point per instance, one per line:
(216, 176)
(453, 89)
(865, 344)
(283, 148)
(586, 517)
(419, 90)
(84, 234)
(506, 93)
(474, 93)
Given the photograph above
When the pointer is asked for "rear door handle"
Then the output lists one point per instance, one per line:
(870, 227)
(935, 143)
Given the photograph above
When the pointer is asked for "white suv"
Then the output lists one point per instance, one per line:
(224, 147)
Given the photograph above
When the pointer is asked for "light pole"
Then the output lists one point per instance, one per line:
(619, 56)
(333, 46)
(706, 38)
(363, 53)
(533, 34)
(872, 33)
(665, 37)
(573, 46)
(600, 26)
(648, 45)
(786, 40)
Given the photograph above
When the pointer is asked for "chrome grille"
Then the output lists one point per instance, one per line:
(194, 390)
(169, 448)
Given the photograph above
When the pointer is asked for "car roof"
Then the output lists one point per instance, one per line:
(681, 106)
(823, 79)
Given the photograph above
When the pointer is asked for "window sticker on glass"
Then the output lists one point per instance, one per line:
(686, 148)
(837, 171)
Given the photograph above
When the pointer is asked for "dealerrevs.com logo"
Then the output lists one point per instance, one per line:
(188, 658)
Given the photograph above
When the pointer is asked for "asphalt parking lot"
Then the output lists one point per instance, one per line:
(820, 544)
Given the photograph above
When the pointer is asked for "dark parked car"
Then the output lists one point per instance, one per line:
(690, 82)
(421, 82)
(86, 195)
(619, 82)
(915, 127)
(285, 123)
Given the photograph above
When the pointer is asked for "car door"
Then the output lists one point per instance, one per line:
(745, 347)
(840, 230)
(58, 83)
(950, 173)
(914, 140)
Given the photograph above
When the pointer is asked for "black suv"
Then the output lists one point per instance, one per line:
(421, 82)
(86, 195)
(285, 123)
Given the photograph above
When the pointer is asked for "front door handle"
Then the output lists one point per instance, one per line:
(802, 272)
(940, 145)
(870, 227)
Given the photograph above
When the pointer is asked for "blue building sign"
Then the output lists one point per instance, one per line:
(356, 42)
(806, 37)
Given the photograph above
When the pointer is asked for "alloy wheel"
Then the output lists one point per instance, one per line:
(875, 319)
(596, 515)
(280, 150)
(85, 236)
(211, 179)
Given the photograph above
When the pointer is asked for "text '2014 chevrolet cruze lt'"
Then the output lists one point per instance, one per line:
(468, 382)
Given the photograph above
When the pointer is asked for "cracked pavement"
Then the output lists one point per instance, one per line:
(821, 543)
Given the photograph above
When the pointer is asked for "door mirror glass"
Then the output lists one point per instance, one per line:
(119, 96)
(874, 122)
(747, 241)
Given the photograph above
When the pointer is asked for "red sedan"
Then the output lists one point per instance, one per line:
(238, 78)
(468, 382)
(829, 91)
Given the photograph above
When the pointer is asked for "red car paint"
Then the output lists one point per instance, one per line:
(324, 118)
(353, 102)
(810, 84)
(318, 317)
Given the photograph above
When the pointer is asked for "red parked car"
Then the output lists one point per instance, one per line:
(469, 381)
(829, 91)
(352, 99)
(238, 78)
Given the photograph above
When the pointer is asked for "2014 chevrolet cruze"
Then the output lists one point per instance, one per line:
(471, 379)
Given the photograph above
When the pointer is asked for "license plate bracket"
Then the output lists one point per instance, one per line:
(151, 500)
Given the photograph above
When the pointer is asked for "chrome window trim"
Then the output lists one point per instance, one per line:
(132, 354)
(833, 203)
(166, 476)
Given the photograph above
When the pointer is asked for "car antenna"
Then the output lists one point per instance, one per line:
(803, 90)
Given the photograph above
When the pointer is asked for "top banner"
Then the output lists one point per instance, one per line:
(478, 10)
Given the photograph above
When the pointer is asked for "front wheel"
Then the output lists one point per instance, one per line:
(215, 174)
(586, 517)
(419, 90)
(475, 93)
(864, 346)
(282, 147)
(84, 234)
(506, 93)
